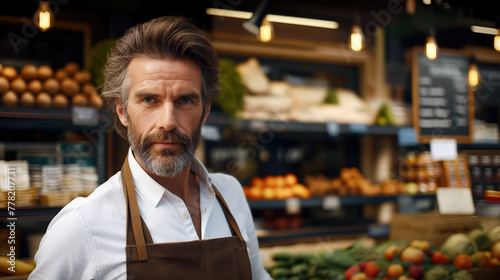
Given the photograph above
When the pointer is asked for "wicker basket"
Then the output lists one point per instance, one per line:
(56, 199)
(23, 198)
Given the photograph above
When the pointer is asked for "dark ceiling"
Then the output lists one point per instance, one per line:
(110, 18)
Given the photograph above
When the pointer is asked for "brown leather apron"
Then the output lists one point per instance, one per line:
(219, 258)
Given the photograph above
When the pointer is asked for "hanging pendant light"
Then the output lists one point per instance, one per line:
(44, 17)
(357, 41)
(496, 41)
(411, 6)
(431, 47)
(474, 76)
(266, 31)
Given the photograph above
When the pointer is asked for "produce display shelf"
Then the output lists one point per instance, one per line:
(42, 119)
(325, 202)
(330, 128)
(295, 235)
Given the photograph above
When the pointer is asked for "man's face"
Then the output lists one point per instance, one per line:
(164, 113)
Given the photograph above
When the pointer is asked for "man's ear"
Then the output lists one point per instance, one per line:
(207, 111)
(120, 112)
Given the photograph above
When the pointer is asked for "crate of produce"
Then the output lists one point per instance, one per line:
(433, 227)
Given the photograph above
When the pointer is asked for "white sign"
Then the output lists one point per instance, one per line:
(331, 202)
(455, 201)
(443, 149)
(292, 206)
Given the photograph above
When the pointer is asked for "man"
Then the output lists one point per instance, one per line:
(163, 216)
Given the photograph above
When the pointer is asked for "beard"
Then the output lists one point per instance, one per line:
(166, 163)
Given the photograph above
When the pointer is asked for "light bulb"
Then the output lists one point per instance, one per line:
(44, 17)
(410, 6)
(426, 2)
(496, 42)
(474, 77)
(357, 39)
(266, 31)
(431, 48)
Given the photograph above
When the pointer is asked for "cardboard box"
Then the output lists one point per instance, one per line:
(434, 227)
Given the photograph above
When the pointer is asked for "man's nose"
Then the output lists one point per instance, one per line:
(167, 119)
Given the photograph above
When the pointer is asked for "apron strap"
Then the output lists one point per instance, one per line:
(133, 210)
(227, 213)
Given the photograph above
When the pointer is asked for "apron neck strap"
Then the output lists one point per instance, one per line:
(139, 230)
(133, 211)
(229, 217)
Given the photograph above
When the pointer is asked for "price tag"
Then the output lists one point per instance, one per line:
(358, 128)
(84, 116)
(257, 124)
(210, 133)
(332, 129)
(423, 204)
(443, 149)
(455, 201)
(331, 202)
(292, 206)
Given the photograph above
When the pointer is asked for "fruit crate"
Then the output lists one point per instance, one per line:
(433, 227)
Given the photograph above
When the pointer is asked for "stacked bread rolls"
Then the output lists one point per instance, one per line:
(43, 87)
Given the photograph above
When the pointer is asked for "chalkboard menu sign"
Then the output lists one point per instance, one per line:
(443, 104)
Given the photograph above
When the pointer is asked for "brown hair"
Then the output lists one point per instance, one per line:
(160, 38)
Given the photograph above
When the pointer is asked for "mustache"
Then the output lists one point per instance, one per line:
(166, 136)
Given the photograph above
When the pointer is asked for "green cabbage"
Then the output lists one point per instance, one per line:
(480, 236)
(494, 234)
(458, 243)
(462, 275)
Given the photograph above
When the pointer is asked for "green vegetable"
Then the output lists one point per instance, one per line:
(300, 269)
(462, 275)
(331, 97)
(494, 234)
(280, 273)
(282, 257)
(480, 236)
(458, 243)
(385, 116)
(340, 258)
(97, 59)
(231, 88)
(437, 273)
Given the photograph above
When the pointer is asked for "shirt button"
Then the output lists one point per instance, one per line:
(184, 215)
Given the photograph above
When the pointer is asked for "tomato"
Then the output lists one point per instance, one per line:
(463, 261)
(359, 276)
(413, 255)
(440, 258)
(394, 270)
(495, 250)
(371, 269)
(421, 244)
(494, 261)
(351, 271)
(391, 251)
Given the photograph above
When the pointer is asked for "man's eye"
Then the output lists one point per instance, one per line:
(148, 100)
(185, 100)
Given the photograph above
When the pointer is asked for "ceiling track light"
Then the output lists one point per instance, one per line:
(253, 24)
(319, 23)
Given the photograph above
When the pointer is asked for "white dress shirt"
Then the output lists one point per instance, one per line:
(87, 238)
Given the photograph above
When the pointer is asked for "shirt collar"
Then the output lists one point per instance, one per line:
(153, 191)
